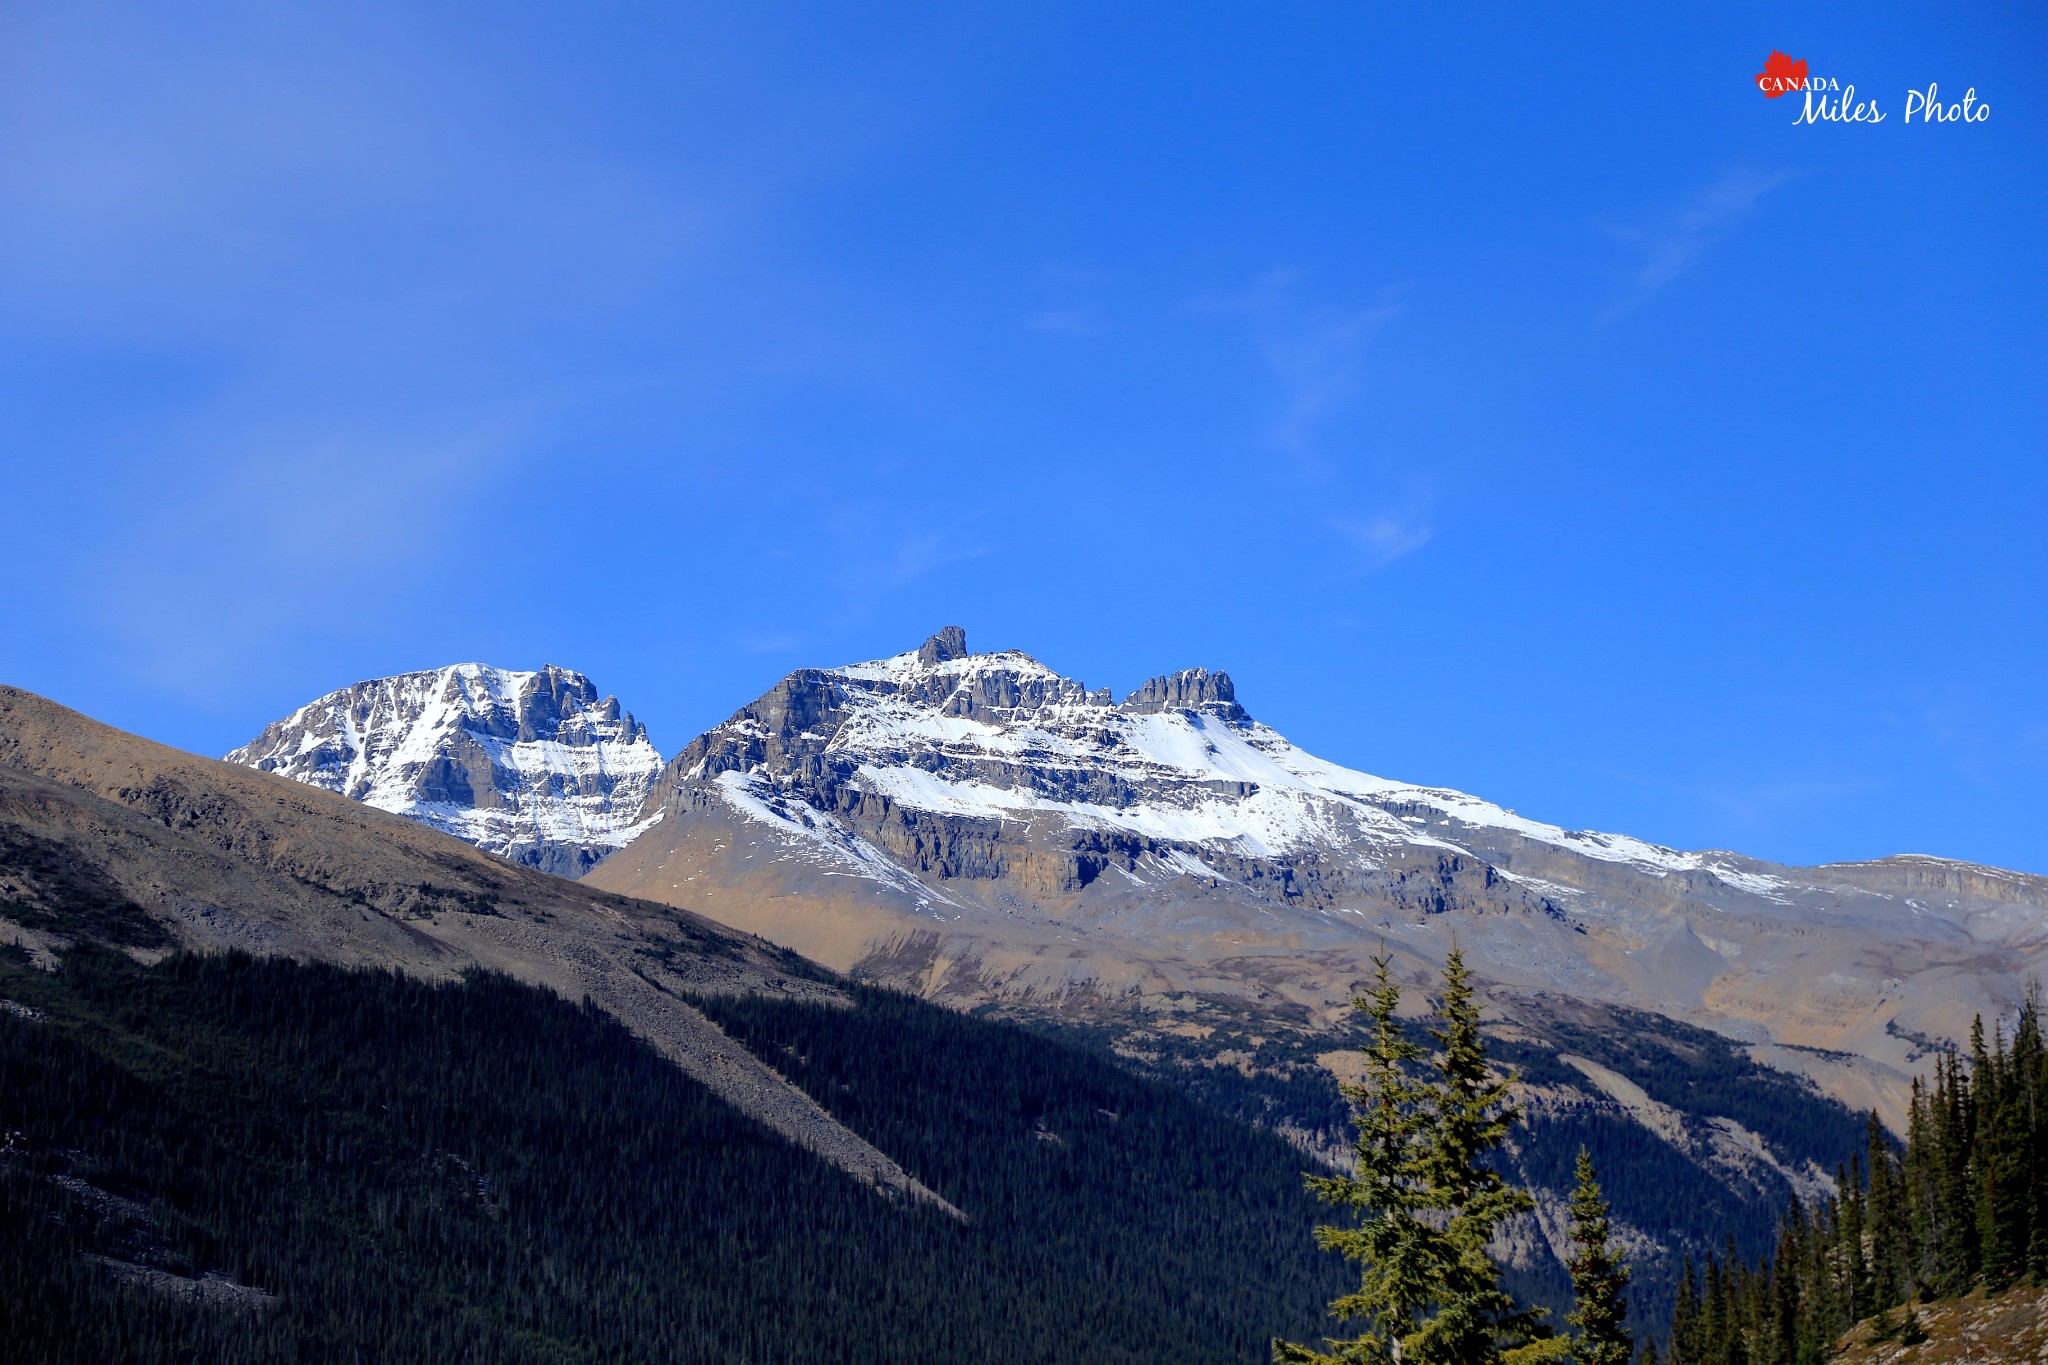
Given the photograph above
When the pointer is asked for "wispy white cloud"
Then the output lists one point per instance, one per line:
(1072, 300)
(1673, 247)
(1761, 803)
(1317, 354)
(293, 533)
(879, 551)
(1384, 537)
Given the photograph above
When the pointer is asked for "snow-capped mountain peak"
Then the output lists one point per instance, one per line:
(531, 765)
(1179, 760)
(982, 827)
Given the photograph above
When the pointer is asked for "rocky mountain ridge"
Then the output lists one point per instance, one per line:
(980, 828)
(532, 766)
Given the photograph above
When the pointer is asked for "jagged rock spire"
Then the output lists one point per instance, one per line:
(949, 643)
(1188, 690)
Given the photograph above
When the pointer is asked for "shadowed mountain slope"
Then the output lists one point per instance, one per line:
(181, 850)
(242, 1160)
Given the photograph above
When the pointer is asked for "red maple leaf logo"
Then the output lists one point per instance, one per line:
(1780, 74)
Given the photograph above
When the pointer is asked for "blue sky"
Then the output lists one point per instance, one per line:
(1511, 400)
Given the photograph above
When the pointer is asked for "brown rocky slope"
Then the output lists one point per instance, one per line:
(218, 857)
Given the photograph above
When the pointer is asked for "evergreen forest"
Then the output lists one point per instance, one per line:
(1958, 1207)
(1648, 1181)
(482, 1172)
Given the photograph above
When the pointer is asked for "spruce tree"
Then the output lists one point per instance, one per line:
(1474, 1115)
(1686, 1345)
(2030, 1136)
(1849, 1244)
(1884, 1219)
(1391, 1242)
(1426, 1199)
(1598, 1278)
(1921, 1181)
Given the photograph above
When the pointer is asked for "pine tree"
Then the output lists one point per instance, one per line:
(2030, 1068)
(1920, 1186)
(1391, 1242)
(1474, 1115)
(1686, 1345)
(1427, 1201)
(1885, 1221)
(1849, 1245)
(1598, 1278)
(1955, 1113)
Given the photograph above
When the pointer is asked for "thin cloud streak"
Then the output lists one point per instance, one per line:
(310, 529)
(1671, 250)
(1068, 321)
(1381, 539)
(881, 552)
(1317, 357)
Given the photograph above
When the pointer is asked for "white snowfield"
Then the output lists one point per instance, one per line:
(518, 763)
(1195, 775)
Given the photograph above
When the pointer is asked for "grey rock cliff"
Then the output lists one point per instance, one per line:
(533, 766)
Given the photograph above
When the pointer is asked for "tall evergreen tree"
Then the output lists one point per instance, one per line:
(1885, 1222)
(1852, 1262)
(1686, 1339)
(1474, 1114)
(1599, 1278)
(1427, 1201)
(1391, 1242)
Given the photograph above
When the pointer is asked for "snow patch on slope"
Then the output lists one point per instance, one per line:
(1205, 778)
(528, 765)
(826, 840)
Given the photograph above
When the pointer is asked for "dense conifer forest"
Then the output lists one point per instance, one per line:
(1958, 1207)
(1649, 1183)
(483, 1172)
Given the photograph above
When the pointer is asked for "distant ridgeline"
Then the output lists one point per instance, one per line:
(1961, 1207)
(224, 1158)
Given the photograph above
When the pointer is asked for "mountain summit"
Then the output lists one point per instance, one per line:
(979, 827)
(968, 768)
(532, 766)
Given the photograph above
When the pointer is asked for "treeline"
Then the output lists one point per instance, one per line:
(482, 1172)
(1960, 1207)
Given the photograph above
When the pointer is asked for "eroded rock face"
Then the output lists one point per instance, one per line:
(532, 766)
(1191, 689)
(1047, 787)
(980, 827)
